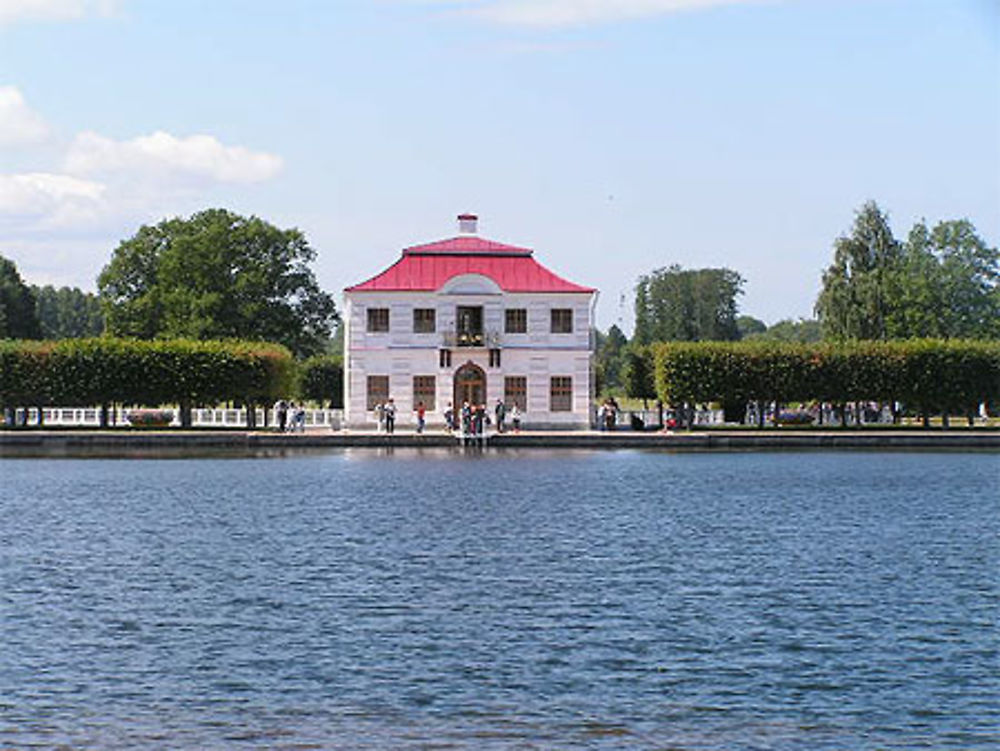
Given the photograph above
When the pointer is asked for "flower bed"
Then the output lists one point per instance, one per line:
(149, 418)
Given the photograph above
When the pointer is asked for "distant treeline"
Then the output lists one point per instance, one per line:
(928, 376)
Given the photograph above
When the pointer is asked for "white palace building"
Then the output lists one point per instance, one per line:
(469, 319)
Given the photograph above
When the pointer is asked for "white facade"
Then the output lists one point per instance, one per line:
(555, 364)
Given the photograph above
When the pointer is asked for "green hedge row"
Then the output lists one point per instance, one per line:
(103, 371)
(928, 376)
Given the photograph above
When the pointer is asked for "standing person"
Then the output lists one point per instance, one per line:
(466, 418)
(281, 410)
(300, 418)
(380, 416)
(289, 421)
(501, 414)
(449, 418)
(390, 416)
(515, 417)
(602, 416)
(421, 414)
(478, 415)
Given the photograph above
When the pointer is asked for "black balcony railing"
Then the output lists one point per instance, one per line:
(483, 339)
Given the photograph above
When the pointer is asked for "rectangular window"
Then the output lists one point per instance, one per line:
(423, 320)
(378, 320)
(562, 321)
(515, 391)
(494, 358)
(424, 391)
(516, 321)
(378, 390)
(561, 394)
(444, 358)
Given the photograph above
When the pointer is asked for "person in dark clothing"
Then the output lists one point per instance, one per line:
(390, 417)
(501, 414)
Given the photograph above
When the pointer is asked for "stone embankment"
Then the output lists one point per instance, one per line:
(112, 442)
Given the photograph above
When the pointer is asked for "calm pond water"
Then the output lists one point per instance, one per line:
(524, 600)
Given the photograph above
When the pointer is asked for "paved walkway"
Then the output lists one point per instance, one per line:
(46, 442)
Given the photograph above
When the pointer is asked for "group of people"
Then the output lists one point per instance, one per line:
(607, 414)
(385, 416)
(291, 416)
(472, 419)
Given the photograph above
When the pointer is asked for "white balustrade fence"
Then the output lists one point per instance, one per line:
(55, 417)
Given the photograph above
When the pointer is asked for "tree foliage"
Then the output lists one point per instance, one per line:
(322, 380)
(749, 326)
(18, 319)
(638, 372)
(804, 331)
(609, 358)
(67, 313)
(217, 275)
(941, 282)
(674, 304)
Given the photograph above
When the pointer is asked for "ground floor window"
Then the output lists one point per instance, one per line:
(515, 391)
(561, 394)
(494, 358)
(444, 358)
(378, 390)
(424, 389)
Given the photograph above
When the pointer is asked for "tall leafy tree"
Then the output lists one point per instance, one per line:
(18, 319)
(970, 277)
(857, 287)
(674, 304)
(217, 275)
(609, 357)
(68, 313)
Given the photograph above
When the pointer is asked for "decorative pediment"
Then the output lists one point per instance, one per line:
(470, 284)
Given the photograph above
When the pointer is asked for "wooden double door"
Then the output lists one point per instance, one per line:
(470, 385)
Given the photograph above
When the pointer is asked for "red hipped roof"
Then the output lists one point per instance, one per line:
(428, 267)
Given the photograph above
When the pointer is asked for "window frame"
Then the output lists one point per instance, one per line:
(561, 394)
(515, 315)
(424, 320)
(374, 395)
(519, 395)
(374, 323)
(425, 390)
(561, 320)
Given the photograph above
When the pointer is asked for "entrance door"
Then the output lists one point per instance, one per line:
(470, 385)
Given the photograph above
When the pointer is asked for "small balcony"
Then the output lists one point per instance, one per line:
(480, 339)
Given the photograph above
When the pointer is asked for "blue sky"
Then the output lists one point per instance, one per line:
(613, 136)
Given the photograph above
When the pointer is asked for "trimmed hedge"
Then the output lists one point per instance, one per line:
(928, 375)
(148, 373)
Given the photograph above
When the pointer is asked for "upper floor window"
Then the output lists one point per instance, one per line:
(378, 320)
(516, 321)
(562, 321)
(424, 320)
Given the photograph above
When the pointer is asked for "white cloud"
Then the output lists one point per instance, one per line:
(12, 11)
(56, 200)
(164, 155)
(553, 13)
(18, 122)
